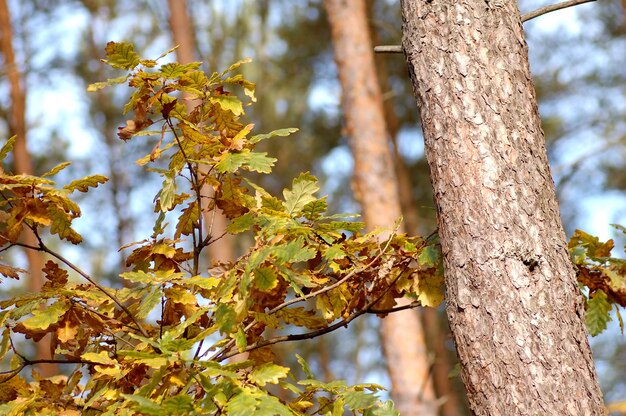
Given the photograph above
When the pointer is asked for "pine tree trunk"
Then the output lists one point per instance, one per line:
(22, 163)
(376, 189)
(512, 299)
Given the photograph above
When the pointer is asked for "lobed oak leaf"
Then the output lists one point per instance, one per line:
(268, 373)
(43, 318)
(56, 276)
(83, 185)
(121, 55)
(10, 271)
(67, 331)
(7, 147)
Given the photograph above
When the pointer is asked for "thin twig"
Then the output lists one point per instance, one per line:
(45, 249)
(551, 8)
(325, 289)
(388, 49)
(316, 333)
(411, 305)
(525, 17)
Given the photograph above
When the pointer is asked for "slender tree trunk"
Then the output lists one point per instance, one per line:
(514, 307)
(430, 317)
(22, 163)
(182, 32)
(376, 189)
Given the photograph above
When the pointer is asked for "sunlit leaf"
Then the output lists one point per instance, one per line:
(83, 185)
(268, 373)
(598, 311)
(7, 147)
(281, 132)
(96, 86)
(301, 193)
(265, 279)
(58, 168)
(43, 318)
(121, 55)
(101, 357)
(230, 103)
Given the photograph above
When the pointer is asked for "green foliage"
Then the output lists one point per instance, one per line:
(603, 277)
(159, 346)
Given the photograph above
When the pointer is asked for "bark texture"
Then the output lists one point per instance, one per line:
(376, 189)
(513, 304)
(22, 164)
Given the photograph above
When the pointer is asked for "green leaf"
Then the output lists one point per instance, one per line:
(280, 132)
(144, 405)
(383, 409)
(265, 279)
(167, 193)
(58, 168)
(43, 318)
(225, 317)
(7, 147)
(253, 161)
(230, 103)
(294, 251)
(96, 86)
(315, 209)
(598, 312)
(429, 257)
(359, 400)
(334, 252)
(236, 65)
(121, 55)
(175, 70)
(181, 404)
(241, 223)
(243, 404)
(301, 193)
(260, 162)
(305, 367)
(268, 373)
(240, 340)
(83, 185)
(149, 302)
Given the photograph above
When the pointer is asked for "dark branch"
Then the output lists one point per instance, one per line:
(551, 8)
(525, 17)
(396, 309)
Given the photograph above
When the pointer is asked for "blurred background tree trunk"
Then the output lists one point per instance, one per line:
(181, 26)
(22, 164)
(376, 189)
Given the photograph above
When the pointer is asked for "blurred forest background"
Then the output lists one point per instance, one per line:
(578, 58)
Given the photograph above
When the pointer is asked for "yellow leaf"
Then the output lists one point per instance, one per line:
(67, 331)
(101, 357)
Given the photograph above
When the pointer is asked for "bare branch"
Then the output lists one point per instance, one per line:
(551, 8)
(525, 17)
(45, 249)
(388, 49)
(312, 334)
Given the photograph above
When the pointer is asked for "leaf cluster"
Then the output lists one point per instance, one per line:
(603, 276)
(160, 344)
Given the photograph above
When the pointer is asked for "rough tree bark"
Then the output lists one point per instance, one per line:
(376, 189)
(514, 307)
(22, 163)
(182, 33)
